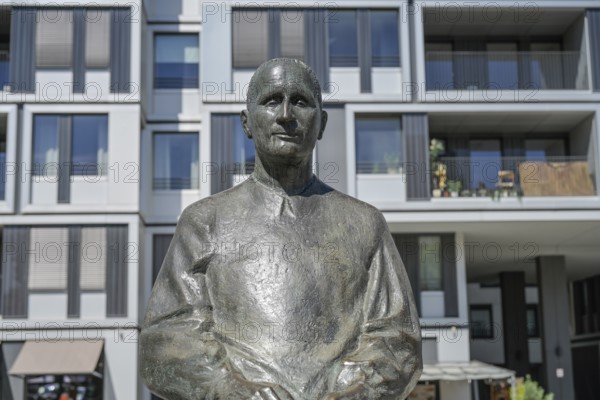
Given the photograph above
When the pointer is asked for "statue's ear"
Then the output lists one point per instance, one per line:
(324, 117)
(244, 119)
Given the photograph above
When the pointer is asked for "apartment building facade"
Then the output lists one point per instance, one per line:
(471, 125)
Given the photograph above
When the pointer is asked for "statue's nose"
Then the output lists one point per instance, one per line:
(285, 112)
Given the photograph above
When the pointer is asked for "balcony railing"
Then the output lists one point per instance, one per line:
(512, 177)
(510, 70)
(4, 65)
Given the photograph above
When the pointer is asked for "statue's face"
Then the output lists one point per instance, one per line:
(285, 120)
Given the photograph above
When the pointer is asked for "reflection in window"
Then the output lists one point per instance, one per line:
(480, 318)
(385, 50)
(430, 262)
(45, 145)
(343, 44)
(547, 64)
(378, 145)
(176, 61)
(175, 161)
(486, 161)
(89, 145)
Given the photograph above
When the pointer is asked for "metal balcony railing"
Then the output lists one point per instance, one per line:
(512, 176)
(510, 70)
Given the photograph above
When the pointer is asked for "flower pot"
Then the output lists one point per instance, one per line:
(453, 194)
(436, 193)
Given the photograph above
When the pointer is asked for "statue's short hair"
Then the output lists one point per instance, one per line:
(253, 89)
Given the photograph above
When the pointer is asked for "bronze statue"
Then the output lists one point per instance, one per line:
(281, 287)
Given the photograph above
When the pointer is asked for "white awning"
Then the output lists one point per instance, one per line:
(57, 358)
(464, 371)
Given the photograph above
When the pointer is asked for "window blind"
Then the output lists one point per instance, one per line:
(97, 38)
(250, 38)
(93, 259)
(48, 258)
(54, 38)
(292, 34)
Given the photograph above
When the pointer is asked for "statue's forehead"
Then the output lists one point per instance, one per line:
(284, 77)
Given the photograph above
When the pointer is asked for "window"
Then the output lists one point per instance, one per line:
(244, 155)
(486, 161)
(250, 38)
(549, 65)
(97, 38)
(385, 49)
(89, 145)
(292, 33)
(503, 70)
(343, 42)
(439, 68)
(48, 258)
(378, 145)
(54, 38)
(88, 140)
(175, 161)
(533, 328)
(482, 326)
(176, 61)
(93, 258)
(430, 262)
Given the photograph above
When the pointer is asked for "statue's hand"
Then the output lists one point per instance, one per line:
(363, 376)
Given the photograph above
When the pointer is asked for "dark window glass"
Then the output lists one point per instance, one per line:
(533, 329)
(175, 161)
(3, 158)
(89, 145)
(481, 322)
(486, 161)
(378, 145)
(176, 61)
(439, 67)
(385, 49)
(430, 263)
(343, 46)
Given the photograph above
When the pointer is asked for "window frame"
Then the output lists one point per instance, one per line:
(153, 156)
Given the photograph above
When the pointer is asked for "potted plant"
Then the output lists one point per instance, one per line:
(454, 188)
(392, 161)
(436, 148)
(529, 389)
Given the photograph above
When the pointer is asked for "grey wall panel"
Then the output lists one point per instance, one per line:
(116, 271)
(408, 247)
(79, 50)
(22, 49)
(450, 282)
(415, 128)
(274, 36)
(316, 44)
(222, 130)
(74, 273)
(364, 50)
(332, 163)
(15, 271)
(556, 340)
(120, 50)
(64, 159)
(593, 17)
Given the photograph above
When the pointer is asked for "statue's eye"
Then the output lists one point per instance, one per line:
(301, 102)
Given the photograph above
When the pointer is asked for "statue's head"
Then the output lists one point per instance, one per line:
(284, 114)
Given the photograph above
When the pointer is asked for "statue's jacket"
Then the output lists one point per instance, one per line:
(280, 290)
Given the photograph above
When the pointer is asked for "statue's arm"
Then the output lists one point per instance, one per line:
(387, 361)
(180, 358)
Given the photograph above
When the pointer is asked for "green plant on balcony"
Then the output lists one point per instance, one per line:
(436, 148)
(392, 162)
(529, 389)
(454, 187)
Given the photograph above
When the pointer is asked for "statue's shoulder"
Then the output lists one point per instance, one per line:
(205, 210)
(352, 208)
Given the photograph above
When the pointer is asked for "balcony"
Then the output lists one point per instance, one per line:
(497, 177)
(510, 70)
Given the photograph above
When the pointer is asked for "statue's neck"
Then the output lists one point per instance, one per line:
(291, 178)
